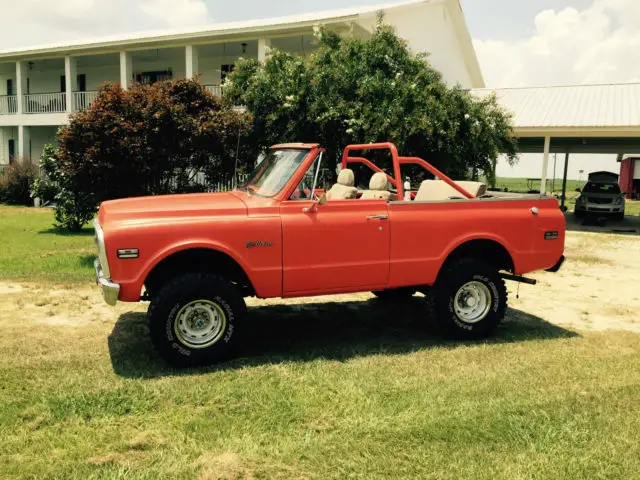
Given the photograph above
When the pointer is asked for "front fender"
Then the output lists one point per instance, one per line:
(130, 289)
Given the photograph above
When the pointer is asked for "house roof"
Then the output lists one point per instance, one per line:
(596, 110)
(212, 30)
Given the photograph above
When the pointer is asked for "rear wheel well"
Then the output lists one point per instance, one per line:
(488, 251)
(198, 260)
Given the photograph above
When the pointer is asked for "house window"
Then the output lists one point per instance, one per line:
(147, 78)
(81, 83)
(225, 70)
(12, 150)
(10, 86)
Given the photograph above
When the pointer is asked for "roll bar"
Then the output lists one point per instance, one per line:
(396, 180)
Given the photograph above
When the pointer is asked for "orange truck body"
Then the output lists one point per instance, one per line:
(290, 248)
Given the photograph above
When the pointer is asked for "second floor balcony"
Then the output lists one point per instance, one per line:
(43, 83)
(57, 102)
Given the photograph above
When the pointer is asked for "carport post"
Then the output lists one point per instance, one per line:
(564, 181)
(545, 166)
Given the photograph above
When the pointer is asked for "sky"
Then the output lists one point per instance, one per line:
(518, 42)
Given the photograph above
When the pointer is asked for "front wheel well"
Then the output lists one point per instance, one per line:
(198, 260)
(489, 251)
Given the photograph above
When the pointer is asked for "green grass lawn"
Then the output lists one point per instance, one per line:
(325, 392)
(32, 250)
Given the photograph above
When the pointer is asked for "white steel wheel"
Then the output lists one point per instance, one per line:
(200, 324)
(472, 302)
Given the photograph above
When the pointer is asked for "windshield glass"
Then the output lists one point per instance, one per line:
(273, 173)
(601, 188)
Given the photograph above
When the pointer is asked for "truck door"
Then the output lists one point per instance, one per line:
(341, 246)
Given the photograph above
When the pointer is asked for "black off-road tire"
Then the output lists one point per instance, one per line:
(457, 275)
(395, 294)
(578, 214)
(205, 291)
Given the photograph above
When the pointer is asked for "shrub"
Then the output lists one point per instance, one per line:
(15, 184)
(147, 140)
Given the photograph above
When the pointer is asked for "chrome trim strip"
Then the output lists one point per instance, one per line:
(110, 290)
(102, 249)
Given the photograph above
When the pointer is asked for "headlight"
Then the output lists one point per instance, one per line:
(619, 201)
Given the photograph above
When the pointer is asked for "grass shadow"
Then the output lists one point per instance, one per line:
(304, 332)
(86, 261)
(85, 232)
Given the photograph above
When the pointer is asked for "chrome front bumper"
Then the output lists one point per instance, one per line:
(600, 208)
(110, 290)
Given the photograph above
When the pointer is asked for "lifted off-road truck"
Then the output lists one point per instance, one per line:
(195, 257)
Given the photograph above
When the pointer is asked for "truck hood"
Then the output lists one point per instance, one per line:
(146, 210)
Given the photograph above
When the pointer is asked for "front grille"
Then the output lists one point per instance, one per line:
(600, 201)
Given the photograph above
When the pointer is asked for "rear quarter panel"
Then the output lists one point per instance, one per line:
(423, 234)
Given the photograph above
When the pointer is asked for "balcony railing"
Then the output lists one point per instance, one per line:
(83, 100)
(8, 104)
(216, 90)
(45, 103)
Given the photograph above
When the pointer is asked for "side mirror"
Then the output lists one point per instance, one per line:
(314, 206)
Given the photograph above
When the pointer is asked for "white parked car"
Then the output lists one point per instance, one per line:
(601, 196)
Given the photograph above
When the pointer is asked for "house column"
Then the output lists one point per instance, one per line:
(126, 69)
(21, 84)
(191, 55)
(71, 82)
(545, 165)
(24, 143)
(264, 44)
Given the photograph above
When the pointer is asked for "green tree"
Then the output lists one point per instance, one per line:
(148, 140)
(360, 91)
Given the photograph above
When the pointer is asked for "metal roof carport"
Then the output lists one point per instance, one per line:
(572, 119)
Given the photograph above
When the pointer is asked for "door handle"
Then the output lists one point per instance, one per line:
(378, 217)
(534, 210)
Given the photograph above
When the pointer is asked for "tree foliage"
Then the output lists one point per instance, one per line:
(361, 91)
(148, 140)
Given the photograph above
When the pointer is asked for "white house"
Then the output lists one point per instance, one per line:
(40, 87)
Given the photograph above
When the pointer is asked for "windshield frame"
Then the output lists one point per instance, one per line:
(312, 151)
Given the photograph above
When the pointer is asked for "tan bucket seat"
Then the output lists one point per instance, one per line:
(437, 190)
(344, 189)
(377, 188)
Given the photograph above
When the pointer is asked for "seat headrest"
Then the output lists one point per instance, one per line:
(378, 181)
(346, 178)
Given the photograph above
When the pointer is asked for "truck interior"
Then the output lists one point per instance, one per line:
(384, 186)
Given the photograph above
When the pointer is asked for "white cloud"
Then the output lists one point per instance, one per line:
(184, 12)
(599, 44)
(37, 22)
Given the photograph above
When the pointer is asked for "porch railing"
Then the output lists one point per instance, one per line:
(45, 103)
(216, 90)
(8, 104)
(83, 100)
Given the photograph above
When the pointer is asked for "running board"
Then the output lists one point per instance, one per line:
(519, 279)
